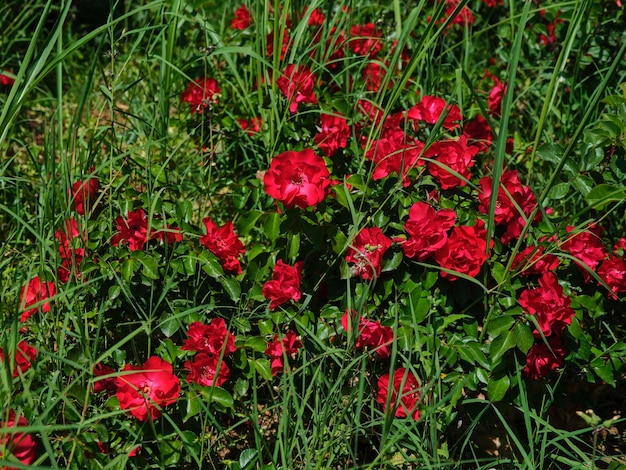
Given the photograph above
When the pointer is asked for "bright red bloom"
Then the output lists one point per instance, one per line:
(620, 247)
(284, 47)
(549, 305)
(242, 18)
(533, 260)
(365, 40)
(34, 293)
(25, 354)
(373, 75)
(251, 126)
(404, 402)
(223, 243)
(370, 334)
(149, 389)
(5, 80)
(297, 83)
(430, 108)
(297, 179)
(206, 370)
(587, 247)
(367, 251)
(84, 194)
(317, 18)
(427, 230)
(333, 135)
(201, 93)
(132, 230)
(478, 133)
(109, 384)
(452, 154)
(613, 272)
(494, 102)
(463, 18)
(543, 359)
(395, 152)
(71, 258)
(169, 234)
(19, 444)
(464, 252)
(212, 339)
(278, 348)
(285, 284)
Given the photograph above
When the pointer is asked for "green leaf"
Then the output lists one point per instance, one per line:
(500, 324)
(523, 337)
(392, 263)
(264, 368)
(256, 343)
(271, 226)
(497, 388)
(218, 396)
(210, 264)
(169, 324)
(232, 287)
(294, 245)
(150, 267)
(247, 458)
(194, 406)
(558, 191)
(189, 263)
(247, 222)
(602, 194)
(170, 451)
(128, 268)
(499, 346)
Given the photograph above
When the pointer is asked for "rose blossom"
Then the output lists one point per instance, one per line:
(395, 152)
(278, 348)
(548, 304)
(365, 40)
(465, 251)
(494, 102)
(430, 108)
(132, 230)
(5, 80)
(35, 292)
(367, 251)
(297, 179)
(284, 47)
(201, 93)
(543, 359)
(451, 154)
(251, 126)
(24, 356)
(370, 334)
(478, 133)
(587, 247)
(405, 402)
(212, 339)
(296, 82)
(109, 384)
(207, 371)
(223, 243)
(613, 272)
(84, 194)
(533, 260)
(333, 135)
(285, 284)
(19, 444)
(148, 389)
(427, 230)
(242, 18)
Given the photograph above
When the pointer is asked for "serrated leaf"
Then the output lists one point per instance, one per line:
(194, 406)
(256, 343)
(211, 265)
(523, 336)
(499, 346)
(247, 222)
(584, 184)
(392, 263)
(150, 267)
(558, 191)
(500, 324)
(497, 388)
(232, 287)
(271, 226)
(602, 194)
(294, 245)
(247, 458)
(128, 268)
(263, 368)
(219, 396)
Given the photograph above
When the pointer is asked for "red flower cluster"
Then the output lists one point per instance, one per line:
(613, 272)
(285, 284)
(242, 18)
(534, 260)
(201, 93)
(212, 343)
(452, 155)
(223, 243)
(427, 230)
(367, 251)
(108, 384)
(148, 389)
(333, 135)
(251, 126)
(494, 102)
(544, 358)
(70, 257)
(5, 80)
(297, 179)
(134, 231)
(405, 394)
(284, 47)
(478, 133)
(19, 444)
(395, 152)
(84, 195)
(24, 356)
(365, 40)
(296, 82)
(278, 349)
(369, 334)
(33, 296)
(430, 109)
(465, 251)
(587, 247)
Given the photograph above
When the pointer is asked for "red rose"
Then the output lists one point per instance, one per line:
(317, 18)
(108, 384)
(132, 230)
(587, 247)
(297, 179)
(463, 18)
(242, 18)
(208, 371)
(84, 194)
(278, 349)
(365, 40)
(373, 74)
(201, 93)
(370, 334)
(25, 354)
(334, 134)
(296, 82)
(285, 284)
(404, 402)
(533, 260)
(286, 44)
(395, 152)
(494, 102)
(451, 154)
(223, 243)
(71, 258)
(543, 359)
(478, 133)
(19, 444)
(212, 339)
(367, 251)
(464, 252)
(427, 230)
(5, 80)
(251, 126)
(549, 305)
(430, 108)
(33, 295)
(613, 272)
(147, 390)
